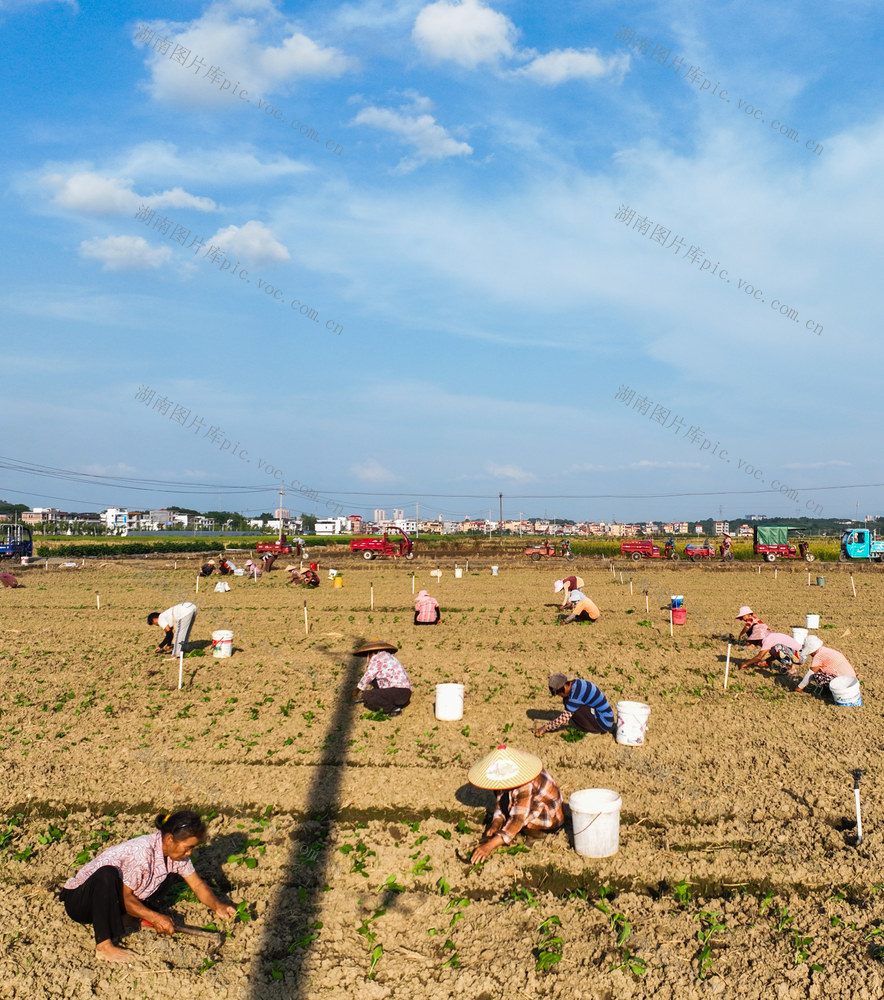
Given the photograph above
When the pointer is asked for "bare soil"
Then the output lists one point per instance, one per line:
(342, 834)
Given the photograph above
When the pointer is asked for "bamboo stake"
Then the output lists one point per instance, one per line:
(180, 669)
(306, 626)
(727, 665)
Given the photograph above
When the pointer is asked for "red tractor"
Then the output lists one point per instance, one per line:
(697, 552)
(549, 550)
(646, 549)
(281, 546)
(371, 548)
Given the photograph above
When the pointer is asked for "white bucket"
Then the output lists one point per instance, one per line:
(494, 570)
(222, 643)
(449, 702)
(632, 722)
(813, 621)
(458, 572)
(845, 692)
(595, 816)
(799, 635)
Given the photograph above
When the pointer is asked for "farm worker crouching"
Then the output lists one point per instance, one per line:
(225, 567)
(207, 569)
(581, 606)
(777, 650)
(179, 618)
(309, 578)
(585, 706)
(116, 884)
(566, 585)
(426, 609)
(751, 623)
(825, 664)
(385, 686)
(8, 580)
(528, 799)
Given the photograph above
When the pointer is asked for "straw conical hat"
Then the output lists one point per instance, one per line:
(376, 646)
(505, 767)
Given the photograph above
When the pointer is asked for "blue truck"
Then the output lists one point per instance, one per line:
(16, 540)
(860, 543)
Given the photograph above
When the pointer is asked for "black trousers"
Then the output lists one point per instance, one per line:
(386, 699)
(98, 901)
(585, 718)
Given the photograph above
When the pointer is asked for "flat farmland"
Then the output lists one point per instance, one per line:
(344, 836)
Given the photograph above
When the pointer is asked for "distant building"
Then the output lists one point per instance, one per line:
(722, 527)
(380, 515)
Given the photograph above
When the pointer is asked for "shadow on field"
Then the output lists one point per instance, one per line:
(292, 923)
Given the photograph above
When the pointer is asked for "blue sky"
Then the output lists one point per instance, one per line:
(467, 304)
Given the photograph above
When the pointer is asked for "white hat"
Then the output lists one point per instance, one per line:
(558, 586)
(811, 644)
(744, 610)
(505, 767)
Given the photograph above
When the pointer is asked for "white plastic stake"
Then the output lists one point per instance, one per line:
(197, 583)
(775, 573)
(727, 665)
(852, 584)
(808, 578)
(630, 586)
(306, 626)
(372, 597)
(180, 669)
(621, 576)
(412, 584)
(647, 608)
(670, 621)
(98, 600)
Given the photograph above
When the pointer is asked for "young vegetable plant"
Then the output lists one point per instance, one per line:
(710, 924)
(377, 950)
(549, 950)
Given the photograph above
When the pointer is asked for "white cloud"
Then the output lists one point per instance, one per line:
(229, 164)
(467, 33)
(95, 194)
(231, 37)
(117, 469)
(816, 465)
(124, 253)
(429, 140)
(572, 64)
(514, 472)
(372, 471)
(253, 241)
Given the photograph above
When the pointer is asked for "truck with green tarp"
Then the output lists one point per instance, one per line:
(772, 540)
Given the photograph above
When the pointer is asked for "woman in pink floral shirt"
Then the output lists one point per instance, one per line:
(384, 687)
(114, 885)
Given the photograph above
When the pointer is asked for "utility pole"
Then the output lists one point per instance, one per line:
(281, 535)
(520, 524)
(417, 523)
(500, 523)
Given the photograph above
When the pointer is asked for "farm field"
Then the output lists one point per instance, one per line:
(341, 836)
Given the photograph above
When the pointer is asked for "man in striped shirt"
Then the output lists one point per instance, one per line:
(585, 706)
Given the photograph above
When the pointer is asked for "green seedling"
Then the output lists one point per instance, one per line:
(423, 865)
(242, 911)
(376, 954)
(683, 893)
(391, 885)
(710, 924)
(802, 947)
(573, 735)
(783, 919)
(514, 849)
(549, 950)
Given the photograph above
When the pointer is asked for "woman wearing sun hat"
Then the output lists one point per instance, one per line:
(825, 664)
(115, 885)
(567, 584)
(749, 620)
(528, 799)
(384, 686)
